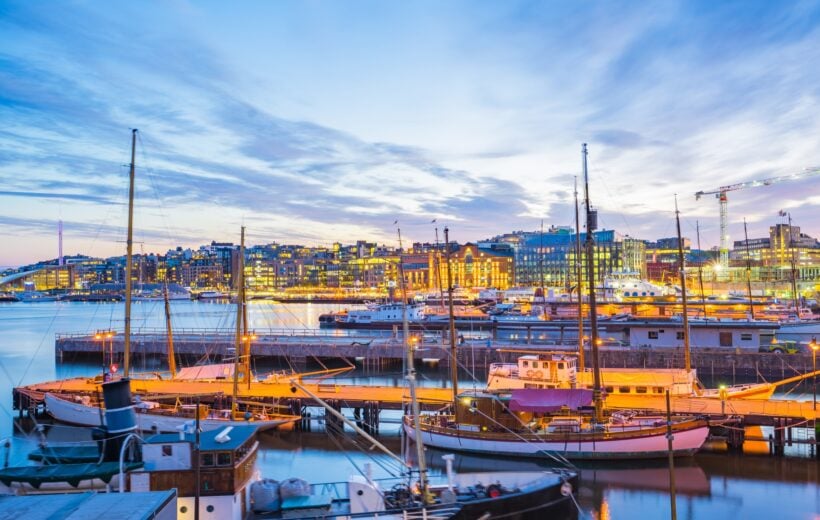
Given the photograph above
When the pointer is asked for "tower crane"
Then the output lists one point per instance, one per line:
(720, 194)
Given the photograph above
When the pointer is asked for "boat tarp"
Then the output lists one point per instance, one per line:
(549, 399)
(73, 474)
(66, 454)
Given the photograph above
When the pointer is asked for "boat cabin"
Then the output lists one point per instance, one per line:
(226, 463)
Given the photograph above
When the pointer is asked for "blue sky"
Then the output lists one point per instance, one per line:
(310, 122)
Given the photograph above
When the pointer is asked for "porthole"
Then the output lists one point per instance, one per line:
(209, 509)
(183, 509)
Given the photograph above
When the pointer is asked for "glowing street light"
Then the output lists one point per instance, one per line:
(814, 346)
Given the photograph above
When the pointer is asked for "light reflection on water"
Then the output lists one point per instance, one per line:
(711, 486)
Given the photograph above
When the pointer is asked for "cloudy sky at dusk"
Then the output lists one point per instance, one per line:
(310, 122)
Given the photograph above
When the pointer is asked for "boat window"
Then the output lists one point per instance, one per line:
(745, 336)
(167, 450)
(658, 389)
(653, 334)
(725, 339)
(623, 389)
(640, 389)
(679, 335)
(609, 389)
(535, 364)
(560, 366)
(207, 459)
(223, 458)
(525, 363)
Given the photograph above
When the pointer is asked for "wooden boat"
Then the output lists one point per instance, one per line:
(562, 423)
(153, 416)
(543, 423)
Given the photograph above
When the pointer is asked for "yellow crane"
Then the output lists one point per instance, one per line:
(720, 194)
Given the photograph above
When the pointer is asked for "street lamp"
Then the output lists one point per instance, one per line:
(102, 336)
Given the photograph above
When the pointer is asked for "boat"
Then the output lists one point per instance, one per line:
(212, 295)
(566, 423)
(375, 316)
(156, 416)
(628, 286)
(467, 496)
(89, 467)
(560, 370)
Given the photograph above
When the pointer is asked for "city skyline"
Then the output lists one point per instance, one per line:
(316, 122)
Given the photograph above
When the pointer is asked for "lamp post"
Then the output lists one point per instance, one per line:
(102, 336)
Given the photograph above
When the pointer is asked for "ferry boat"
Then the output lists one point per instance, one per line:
(560, 371)
(374, 316)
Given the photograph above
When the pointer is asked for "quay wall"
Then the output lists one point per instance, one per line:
(374, 351)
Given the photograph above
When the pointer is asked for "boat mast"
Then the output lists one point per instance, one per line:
(129, 257)
(453, 348)
(541, 269)
(240, 303)
(172, 364)
(687, 360)
(411, 375)
(580, 280)
(748, 271)
(592, 218)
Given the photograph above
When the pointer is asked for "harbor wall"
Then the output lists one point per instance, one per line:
(740, 364)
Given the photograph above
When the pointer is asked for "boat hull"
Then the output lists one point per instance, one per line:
(604, 446)
(84, 415)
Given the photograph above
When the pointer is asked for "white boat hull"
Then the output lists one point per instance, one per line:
(686, 442)
(84, 415)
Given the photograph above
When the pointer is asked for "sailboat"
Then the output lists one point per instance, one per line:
(568, 423)
(416, 494)
(157, 415)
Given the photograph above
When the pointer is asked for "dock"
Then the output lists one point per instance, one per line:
(377, 349)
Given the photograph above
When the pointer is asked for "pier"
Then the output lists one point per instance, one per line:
(374, 349)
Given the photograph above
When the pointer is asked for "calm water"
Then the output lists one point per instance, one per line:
(711, 486)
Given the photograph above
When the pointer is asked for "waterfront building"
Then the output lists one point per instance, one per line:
(550, 257)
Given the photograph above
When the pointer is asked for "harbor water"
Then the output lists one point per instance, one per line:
(712, 485)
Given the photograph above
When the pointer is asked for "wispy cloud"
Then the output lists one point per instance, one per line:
(317, 128)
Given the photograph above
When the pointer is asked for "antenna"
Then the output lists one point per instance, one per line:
(60, 260)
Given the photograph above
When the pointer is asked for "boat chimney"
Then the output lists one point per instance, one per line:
(120, 417)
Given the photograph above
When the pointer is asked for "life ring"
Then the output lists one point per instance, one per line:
(494, 491)
(539, 374)
(530, 373)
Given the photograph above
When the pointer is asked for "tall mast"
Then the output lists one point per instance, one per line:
(592, 218)
(748, 271)
(453, 348)
(580, 279)
(700, 269)
(129, 254)
(541, 269)
(172, 364)
(687, 361)
(240, 303)
(411, 376)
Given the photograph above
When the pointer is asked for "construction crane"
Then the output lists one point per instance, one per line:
(720, 194)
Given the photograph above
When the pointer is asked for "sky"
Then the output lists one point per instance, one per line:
(311, 122)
